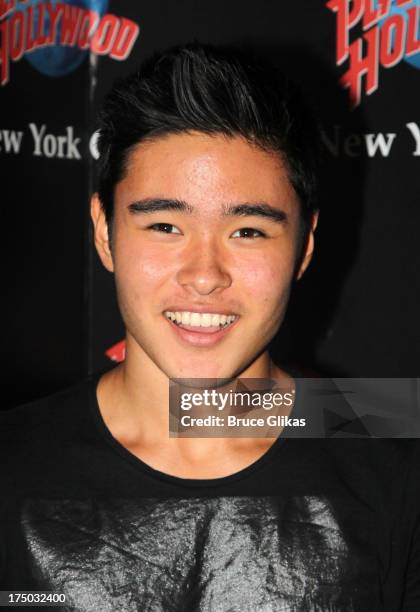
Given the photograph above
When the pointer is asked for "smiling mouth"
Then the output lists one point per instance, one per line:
(204, 322)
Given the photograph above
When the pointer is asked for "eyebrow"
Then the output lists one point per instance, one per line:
(256, 210)
(151, 205)
(259, 209)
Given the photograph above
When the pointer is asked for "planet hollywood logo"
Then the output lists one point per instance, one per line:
(382, 33)
(55, 37)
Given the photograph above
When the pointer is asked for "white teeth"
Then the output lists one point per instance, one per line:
(195, 319)
(215, 320)
(198, 319)
(205, 320)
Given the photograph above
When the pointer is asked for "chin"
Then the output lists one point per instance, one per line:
(206, 373)
(192, 369)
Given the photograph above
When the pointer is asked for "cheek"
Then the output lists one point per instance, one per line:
(266, 278)
(141, 268)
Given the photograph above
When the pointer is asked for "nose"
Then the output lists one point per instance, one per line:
(203, 270)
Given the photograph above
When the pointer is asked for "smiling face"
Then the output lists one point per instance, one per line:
(204, 247)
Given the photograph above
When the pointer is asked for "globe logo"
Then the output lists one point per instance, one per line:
(57, 60)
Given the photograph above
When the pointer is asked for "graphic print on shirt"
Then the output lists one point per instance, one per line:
(217, 554)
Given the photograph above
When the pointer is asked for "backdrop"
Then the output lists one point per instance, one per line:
(355, 313)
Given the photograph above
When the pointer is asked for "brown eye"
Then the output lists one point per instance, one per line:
(248, 232)
(166, 228)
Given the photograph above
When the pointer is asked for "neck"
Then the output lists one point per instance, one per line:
(134, 396)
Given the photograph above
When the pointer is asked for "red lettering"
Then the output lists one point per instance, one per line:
(30, 42)
(125, 39)
(392, 41)
(346, 19)
(360, 65)
(26, 30)
(70, 24)
(41, 37)
(413, 43)
(16, 35)
(4, 52)
(104, 36)
(372, 16)
(402, 2)
(54, 15)
(87, 27)
(6, 7)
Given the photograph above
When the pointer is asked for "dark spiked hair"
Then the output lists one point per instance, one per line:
(213, 90)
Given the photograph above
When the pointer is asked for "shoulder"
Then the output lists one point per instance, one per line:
(46, 420)
(386, 471)
(54, 446)
(46, 407)
(387, 456)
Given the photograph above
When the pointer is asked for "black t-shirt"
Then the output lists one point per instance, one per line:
(312, 525)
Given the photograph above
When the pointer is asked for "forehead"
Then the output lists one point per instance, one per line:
(201, 168)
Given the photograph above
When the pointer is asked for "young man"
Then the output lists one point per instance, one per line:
(205, 213)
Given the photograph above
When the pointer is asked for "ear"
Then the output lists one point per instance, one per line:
(101, 234)
(309, 247)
